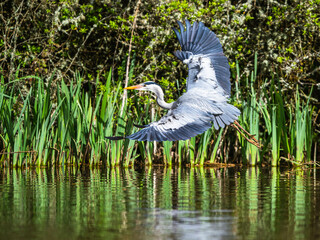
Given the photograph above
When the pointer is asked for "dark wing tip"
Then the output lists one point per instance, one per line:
(116, 138)
(197, 38)
(141, 126)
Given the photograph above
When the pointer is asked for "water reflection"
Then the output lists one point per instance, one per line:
(159, 203)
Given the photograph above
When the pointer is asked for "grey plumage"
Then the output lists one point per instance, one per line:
(208, 89)
(198, 40)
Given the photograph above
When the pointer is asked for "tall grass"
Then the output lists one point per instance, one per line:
(67, 124)
(284, 128)
(70, 128)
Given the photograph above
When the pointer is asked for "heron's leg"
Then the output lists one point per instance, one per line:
(249, 134)
(251, 138)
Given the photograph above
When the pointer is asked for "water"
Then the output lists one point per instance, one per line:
(160, 203)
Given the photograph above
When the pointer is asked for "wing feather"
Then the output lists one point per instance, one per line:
(182, 33)
(178, 36)
(199, 34)
(215, 123)
(189, 118)
(188, 33)
(220, 122)
(199, 42)
(208, 89)
(194, 33)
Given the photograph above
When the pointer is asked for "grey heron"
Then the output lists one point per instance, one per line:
(205, 103)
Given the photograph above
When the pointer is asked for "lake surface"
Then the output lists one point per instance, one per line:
(160, 203)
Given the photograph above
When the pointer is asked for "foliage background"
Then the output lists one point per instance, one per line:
(90, 36)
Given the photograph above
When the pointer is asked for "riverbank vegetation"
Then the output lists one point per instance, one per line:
(67, 124)
(64, 65)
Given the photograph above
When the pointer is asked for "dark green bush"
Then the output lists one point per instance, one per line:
(65, 36)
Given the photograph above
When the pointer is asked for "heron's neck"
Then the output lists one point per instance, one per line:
(160, 99)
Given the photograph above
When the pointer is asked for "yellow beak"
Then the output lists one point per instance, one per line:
(133, 87)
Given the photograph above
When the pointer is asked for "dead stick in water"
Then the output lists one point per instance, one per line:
(3, 153)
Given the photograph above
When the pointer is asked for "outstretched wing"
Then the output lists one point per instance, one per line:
(202, 51)
(208, 89)
(188, 118)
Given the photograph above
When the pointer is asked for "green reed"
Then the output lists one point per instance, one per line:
(65, 124)
(62, 125)
(303, 130)
(284, 128)
(250, 117)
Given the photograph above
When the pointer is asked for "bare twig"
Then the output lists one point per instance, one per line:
(128, 59)
(75, 56)
(15, 37)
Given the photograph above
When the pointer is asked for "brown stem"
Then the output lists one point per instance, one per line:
(128, 59)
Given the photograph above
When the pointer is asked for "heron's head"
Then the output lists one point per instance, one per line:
(148, 86)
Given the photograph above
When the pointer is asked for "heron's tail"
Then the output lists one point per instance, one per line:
(229, 115)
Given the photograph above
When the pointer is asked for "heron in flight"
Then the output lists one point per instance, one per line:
(205, 103)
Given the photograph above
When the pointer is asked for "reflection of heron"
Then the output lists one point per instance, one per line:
(208, 88)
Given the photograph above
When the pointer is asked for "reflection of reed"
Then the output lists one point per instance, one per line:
(160, 202)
